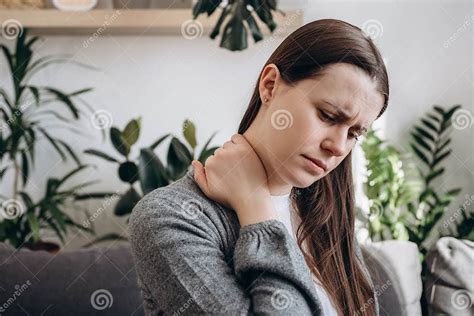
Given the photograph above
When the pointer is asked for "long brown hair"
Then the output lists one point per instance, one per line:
(327, 207)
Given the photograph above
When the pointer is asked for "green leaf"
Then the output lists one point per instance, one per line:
(208, 141)
(107, 237)
(58, 216)
(439, 157)
(430, 125)
(93, 195)
(127, 202)
(25, 168)
(189, 133)
(424, 133)
(118, 141)
(449, 114)
(205, 154)
(215, 31)
(446, 143)
(70, 174)
(53, 142)
(419, 153)
(156, 143)
(34, 225)
(253, 26)
(421, 142)
(234, 36)
(434, 174)
(178, 158)
(151, 171)
(64, 98)
(70, 151)
(101, 155)
(131, 132)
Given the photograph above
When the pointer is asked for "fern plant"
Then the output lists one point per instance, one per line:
(431, 140)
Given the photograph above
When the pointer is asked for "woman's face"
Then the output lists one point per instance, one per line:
(306, 121)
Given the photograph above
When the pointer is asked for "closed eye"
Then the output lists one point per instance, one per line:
(327, 118)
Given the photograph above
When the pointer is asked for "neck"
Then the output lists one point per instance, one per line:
(276, 185)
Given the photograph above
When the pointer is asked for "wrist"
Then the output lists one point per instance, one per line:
(256, 210)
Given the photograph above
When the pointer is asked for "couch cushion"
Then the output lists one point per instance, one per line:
(450, 283)
(82, 282)
(396, 271)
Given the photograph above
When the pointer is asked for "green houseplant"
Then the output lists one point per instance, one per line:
(147, 169)
(238, 18)
(390, 186)
(420, 206)
(23, 114)
(431, 140)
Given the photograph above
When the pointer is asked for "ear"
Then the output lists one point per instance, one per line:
(269, 80)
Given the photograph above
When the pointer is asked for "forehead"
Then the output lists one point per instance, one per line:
(349, 88)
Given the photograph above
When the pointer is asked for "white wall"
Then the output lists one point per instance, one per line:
(167, 79)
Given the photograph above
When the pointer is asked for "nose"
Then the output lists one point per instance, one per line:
(335, 143)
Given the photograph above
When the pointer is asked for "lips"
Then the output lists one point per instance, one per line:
(318, 162)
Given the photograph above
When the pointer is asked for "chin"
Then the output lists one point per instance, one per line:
(302, 179)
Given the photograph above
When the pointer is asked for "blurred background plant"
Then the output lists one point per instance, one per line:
(23, 114)
(234, 14)
(390, 186)
(147, 169)
(405, 204)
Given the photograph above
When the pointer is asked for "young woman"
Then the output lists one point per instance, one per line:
(266, 225)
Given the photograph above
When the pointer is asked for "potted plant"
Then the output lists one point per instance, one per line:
(237, 19)
(23, 114)
(147, 170)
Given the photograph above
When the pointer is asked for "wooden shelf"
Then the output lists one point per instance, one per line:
(129, 22)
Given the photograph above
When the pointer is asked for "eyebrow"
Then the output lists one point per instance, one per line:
(344, 117)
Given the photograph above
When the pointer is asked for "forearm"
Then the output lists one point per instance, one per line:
(255, 211)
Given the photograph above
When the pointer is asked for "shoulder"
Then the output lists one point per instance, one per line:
(178, 208)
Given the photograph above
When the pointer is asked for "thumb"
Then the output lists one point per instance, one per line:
(200, 175)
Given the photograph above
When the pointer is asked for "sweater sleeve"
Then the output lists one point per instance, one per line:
(180, 260)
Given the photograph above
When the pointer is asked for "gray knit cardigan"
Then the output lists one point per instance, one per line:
(192, 257)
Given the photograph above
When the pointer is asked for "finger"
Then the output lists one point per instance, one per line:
(227, 143)
(237, 138)
(200, 176)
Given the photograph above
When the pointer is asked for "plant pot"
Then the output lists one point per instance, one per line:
(43, 245)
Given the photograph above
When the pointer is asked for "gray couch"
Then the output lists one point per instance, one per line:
(102, 281)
